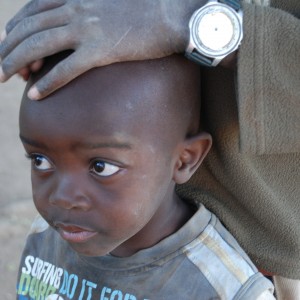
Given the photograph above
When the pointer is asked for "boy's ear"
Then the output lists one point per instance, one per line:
(191, 155)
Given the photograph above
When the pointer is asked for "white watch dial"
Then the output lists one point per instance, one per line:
(215, 30)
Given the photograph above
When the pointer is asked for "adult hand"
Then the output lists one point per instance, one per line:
(100, 32)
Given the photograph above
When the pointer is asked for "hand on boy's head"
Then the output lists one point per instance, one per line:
(100, 32)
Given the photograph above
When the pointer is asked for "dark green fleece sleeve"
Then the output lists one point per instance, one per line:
(269, 79)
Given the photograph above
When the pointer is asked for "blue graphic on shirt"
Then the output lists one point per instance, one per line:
(41, 280)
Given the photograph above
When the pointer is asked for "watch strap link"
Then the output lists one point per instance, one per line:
(204, 60)
(235, 4)
(198, 58)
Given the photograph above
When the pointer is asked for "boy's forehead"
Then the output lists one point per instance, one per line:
(131, 85)
(122, 95)
(117, 97)
(119, 82)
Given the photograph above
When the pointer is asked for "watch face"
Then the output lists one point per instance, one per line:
(216, 30)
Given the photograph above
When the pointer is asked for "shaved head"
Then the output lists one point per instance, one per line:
(165, 89)
(160, 97)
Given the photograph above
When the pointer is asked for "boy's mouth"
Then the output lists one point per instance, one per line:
(74, 234)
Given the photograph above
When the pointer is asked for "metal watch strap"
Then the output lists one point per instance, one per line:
(202, 59)
(235, 4)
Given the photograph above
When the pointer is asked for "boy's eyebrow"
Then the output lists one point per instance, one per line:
(87, 145)
(32, 142)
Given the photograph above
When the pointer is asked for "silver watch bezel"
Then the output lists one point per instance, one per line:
(195, 42)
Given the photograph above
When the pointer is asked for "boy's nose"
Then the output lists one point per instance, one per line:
(69, 193)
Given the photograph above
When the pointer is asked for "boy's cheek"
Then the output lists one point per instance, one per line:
(40, 196)
(40, 205)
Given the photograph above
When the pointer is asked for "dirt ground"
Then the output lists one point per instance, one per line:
(16, 208)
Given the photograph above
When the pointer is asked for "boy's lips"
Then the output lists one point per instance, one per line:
(74, 234)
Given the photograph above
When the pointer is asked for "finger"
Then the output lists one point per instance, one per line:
(31, 8)
(34, 48)
(3, 36)
(24, 73)
(61, 74)
(31, 25)
(36, 66)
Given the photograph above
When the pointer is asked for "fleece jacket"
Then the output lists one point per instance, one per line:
(251, 177)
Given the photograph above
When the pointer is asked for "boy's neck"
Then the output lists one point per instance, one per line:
(179, 212)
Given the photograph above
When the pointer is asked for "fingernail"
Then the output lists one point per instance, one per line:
(3, 36)
(2, 76)
(34, 94)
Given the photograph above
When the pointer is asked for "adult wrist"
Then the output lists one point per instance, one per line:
(176, 15)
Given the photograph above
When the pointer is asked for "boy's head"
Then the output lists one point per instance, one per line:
(108, 148)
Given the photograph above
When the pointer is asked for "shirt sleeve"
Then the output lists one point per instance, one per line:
(266, 295)
(269, 80)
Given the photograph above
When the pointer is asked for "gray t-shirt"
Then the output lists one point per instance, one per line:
(200, 261)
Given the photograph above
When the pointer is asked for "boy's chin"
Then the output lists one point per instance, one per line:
(87, 251)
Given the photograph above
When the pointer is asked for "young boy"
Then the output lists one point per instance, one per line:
(106, 153)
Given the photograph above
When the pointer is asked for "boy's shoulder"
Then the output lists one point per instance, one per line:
(218, 256)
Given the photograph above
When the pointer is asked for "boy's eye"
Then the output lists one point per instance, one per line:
(102, 168)
(40, 162)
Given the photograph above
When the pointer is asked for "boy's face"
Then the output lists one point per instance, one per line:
(100, 177)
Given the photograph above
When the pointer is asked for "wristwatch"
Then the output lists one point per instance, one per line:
(216, 30)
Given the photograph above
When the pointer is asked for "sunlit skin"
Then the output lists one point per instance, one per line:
(107, 150)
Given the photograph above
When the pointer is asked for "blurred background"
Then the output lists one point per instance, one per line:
(16, 207)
